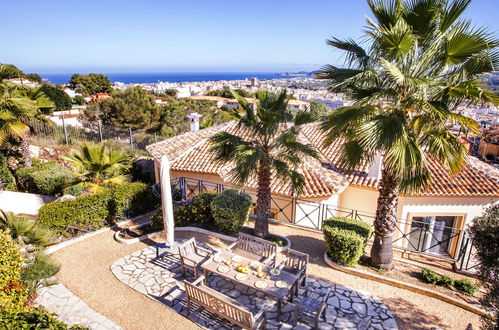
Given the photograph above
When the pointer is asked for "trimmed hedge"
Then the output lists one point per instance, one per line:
(346, 239)
(13, 293)
(230, 210)
(7, 181)
(98, 210)
(44, 178)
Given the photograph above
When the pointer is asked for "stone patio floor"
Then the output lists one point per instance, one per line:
(161, 279)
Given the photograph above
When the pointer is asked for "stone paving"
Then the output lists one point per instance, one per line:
(161, 279)
(71, 309)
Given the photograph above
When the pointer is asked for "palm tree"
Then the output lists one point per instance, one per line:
(24, 230)
(267, 148)
(418, 63)
(18, 107)
(98, 166)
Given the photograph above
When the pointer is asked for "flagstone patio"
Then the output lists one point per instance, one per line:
(161, 279)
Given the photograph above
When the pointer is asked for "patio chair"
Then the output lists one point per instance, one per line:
(296, 264)
(311, 306)
(191, 256)
(255, 248)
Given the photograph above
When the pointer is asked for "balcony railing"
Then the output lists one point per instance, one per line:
(417, 236)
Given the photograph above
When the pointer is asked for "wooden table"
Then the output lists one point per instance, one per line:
(211, 266)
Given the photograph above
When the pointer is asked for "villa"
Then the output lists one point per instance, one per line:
(432, 221)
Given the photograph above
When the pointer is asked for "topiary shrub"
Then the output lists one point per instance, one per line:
(89, 213)
(466, 286)
(7, 181)
(44, 178)
(13, 293)
(346, 239)
(132, 199)
(230, 210)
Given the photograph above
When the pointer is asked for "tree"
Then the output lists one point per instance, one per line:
(61, 100)
(78, 99)
(485, 236)
(271, 146)
(97, 166)
(18, 106)
(227, 93)
(419, 62)
(132, 108)
(33, 77)
(25, 231)
(319, 109)
(170, 92)
(90, 84)
(8, 71)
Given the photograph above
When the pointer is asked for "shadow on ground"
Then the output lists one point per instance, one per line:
(410, 316)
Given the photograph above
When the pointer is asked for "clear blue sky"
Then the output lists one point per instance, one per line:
(192, 35)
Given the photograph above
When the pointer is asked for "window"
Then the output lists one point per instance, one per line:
(432, 234)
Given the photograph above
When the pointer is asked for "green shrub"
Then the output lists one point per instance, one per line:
(75, 190)
(133, 198)
(89, 212)
(429, 276)
(44, 178)
(13, 293)
(346, 239)
(466, 286)
(446, 281)
(37, 318)
(7, 181)
(198, 211)
(230, 210)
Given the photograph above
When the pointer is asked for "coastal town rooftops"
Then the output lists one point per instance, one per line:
(189, 152)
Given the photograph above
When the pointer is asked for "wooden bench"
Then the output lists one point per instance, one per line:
(223, 306)
(255, 248)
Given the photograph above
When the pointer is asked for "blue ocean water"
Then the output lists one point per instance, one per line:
(63, 78)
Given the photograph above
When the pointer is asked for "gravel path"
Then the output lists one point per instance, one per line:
(86, 272)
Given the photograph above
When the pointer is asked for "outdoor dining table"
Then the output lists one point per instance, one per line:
(277, 293)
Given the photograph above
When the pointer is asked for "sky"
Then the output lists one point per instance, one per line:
(185, 36)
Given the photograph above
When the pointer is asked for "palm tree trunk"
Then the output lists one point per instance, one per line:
(385, 222)
(263, 202)
(25, 150)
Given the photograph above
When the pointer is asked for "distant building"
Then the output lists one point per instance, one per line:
(97, 97)
(71, 92)
(23, 81)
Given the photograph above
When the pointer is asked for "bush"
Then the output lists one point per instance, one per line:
(485, 234)
(466, 286)
(7, 181)
(446, 281)
(198, 211)
(13, 293)
(346, 239)
(230, 210)
(37, 318)
(429, 276)
(89, 212)
(132, 199)
(44, 178)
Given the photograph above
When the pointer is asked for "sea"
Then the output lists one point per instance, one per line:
(130, 78)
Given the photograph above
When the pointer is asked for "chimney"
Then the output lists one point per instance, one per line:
(194, 119)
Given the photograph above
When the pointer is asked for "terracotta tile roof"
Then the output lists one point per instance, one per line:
(189, 152)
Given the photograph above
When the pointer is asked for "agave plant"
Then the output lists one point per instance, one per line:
(97, 166)
(419, 61)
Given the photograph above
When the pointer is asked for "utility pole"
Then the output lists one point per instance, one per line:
(100, 130)
(131, 138)
(65, 130)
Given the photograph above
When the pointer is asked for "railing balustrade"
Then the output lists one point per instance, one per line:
(416, 236)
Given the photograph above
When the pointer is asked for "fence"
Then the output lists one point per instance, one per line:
(50, 133)
(423, 237)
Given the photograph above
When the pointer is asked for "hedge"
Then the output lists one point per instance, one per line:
(44, 178)
(98, 210)
(346, 239)
(13, 293)
(230, 210)
(7, 180)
